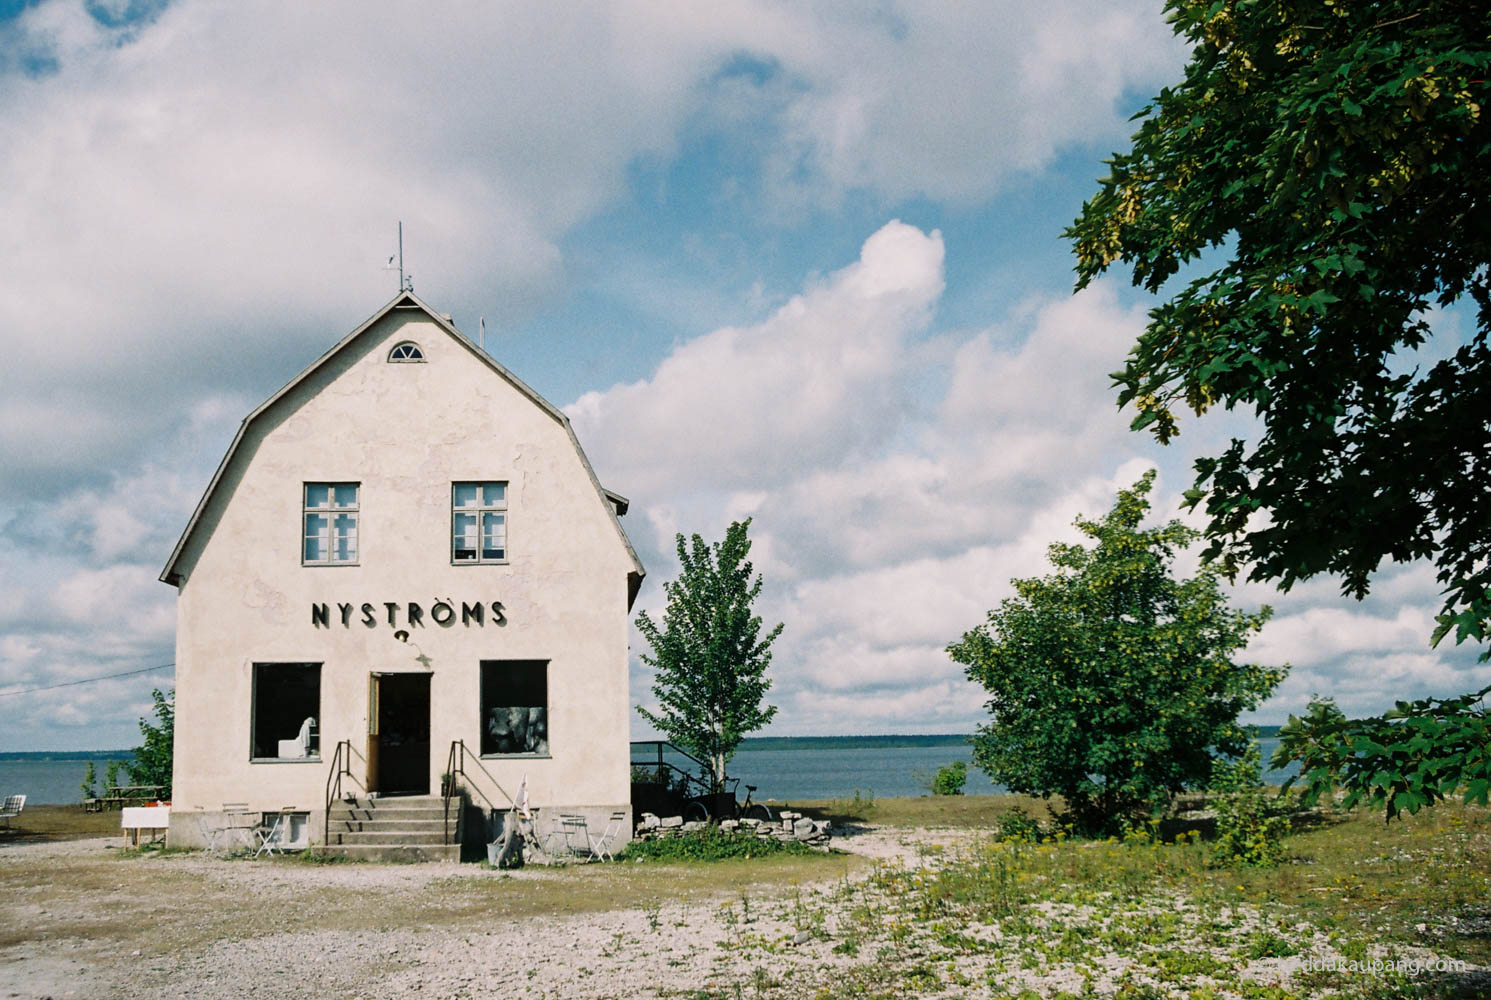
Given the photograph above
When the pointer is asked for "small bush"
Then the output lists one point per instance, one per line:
(950, 779)
(1250, 831)
(1017, 824)
(710, 844)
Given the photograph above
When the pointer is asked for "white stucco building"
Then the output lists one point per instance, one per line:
(403, 548)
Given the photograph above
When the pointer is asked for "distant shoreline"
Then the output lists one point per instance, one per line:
(66, 754)
(884, 741)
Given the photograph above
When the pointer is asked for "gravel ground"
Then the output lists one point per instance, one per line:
(82, 919)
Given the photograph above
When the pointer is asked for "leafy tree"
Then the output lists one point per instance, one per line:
(1341, 154)
(709, 655)
(1414, 756)
(1324, 172)
(152, 761)
(89, 787)
(1112, 683)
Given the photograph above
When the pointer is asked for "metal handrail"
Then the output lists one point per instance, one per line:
(449, 785)
(340, 764)
(663, 766)
(456, 765)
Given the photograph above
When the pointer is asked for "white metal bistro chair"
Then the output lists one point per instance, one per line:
(211, 829)
(273, 839)
(236, 826)
(12, 808)
(600, 846)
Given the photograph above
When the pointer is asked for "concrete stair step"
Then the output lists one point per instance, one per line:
(379, 837)
(401, 828)
(393, 852)
(364, 802)
(396, 826)
(390, 815)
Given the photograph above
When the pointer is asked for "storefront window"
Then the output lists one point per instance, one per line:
(515, 707)
(287, 703)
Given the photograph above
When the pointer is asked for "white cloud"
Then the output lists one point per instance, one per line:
(880, 549)
(198, 205)
(816, 381)
(163, 179)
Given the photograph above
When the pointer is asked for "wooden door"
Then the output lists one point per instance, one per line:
(373, 712)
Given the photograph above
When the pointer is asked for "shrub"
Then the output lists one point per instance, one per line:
(1110, 679)
(950, 779)
(710, 844)
(1017, 824)
(1250, 831)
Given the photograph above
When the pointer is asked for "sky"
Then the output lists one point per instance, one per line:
(800, 262)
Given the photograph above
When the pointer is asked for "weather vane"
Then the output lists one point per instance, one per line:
(406, 281)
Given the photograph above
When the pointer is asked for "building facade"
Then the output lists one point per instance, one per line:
(405, 547)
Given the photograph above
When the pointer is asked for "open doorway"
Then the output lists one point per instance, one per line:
(399, 744)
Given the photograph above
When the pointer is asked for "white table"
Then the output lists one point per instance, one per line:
(137, 818)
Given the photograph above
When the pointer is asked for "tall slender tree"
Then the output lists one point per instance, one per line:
(710, 654)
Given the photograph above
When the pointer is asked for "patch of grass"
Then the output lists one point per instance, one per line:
(711, 844)
(957, 811)
(60, 823)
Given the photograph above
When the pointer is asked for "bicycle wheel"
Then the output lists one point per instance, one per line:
(695, 812)
(758, 811)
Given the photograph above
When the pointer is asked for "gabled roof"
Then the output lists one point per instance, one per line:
(614, 503)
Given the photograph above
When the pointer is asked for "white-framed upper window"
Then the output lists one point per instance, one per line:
(478, 522)
(406, 351)
(329, 517)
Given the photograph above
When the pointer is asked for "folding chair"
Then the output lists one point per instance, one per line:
(211, 831)
(272, 842)
(12, 808)
(600, 846)
(238, 825)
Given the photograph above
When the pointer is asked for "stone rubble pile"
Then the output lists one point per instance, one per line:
(788, 826)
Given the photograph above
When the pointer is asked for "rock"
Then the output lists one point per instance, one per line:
(750, 824)
(693, 825)
(671, 822)
(650, 821)
(804, 828)
(801, 937)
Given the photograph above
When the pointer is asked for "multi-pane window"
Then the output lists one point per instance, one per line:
(478, 522)
(514, 707)
(330, 519)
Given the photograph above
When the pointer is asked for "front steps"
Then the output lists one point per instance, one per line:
(393, 828)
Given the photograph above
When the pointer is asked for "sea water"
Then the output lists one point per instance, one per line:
(51, 782)
(790, 769)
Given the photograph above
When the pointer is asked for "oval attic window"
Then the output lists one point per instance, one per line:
(407, 351)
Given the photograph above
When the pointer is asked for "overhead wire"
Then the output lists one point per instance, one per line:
(86, 680)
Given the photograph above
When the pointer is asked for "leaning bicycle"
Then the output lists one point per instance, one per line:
(704, 808)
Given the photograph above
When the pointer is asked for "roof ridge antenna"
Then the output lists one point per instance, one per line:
(406, 281)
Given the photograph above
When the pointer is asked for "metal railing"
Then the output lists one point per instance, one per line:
(341, 764)
(649, 754)
(455, 764)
